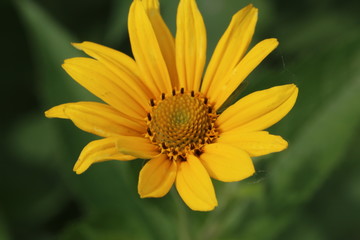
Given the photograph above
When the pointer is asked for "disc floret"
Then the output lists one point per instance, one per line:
(181, 123)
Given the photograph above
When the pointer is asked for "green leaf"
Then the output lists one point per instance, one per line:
(28, 137)
(311, 158)
(100, 187)
(50, 44)
(317, 149)
(4, 234)
(117, 26)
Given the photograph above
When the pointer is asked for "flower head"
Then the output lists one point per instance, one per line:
(162, 107)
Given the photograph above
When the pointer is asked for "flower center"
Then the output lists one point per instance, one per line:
(181, 124)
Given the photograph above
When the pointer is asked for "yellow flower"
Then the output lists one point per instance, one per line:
(161, 107)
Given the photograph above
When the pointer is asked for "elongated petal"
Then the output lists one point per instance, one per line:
(194, 185)
(139, 147)
(146, 50)
(96, 78)
(254, 143)
(259, 110)
(231, 47)
(190, 44)
(97, 118)
(99, 151)
(227, 163)
(121, 65)
(164, 37)
(219, 94)
(157, 177)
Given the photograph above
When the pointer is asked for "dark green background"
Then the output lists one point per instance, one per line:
(310, 191)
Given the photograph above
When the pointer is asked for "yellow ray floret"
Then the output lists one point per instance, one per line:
(157, 177)
(163, 107)
(231, 47)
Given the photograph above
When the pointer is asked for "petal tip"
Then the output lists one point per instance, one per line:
(207, 208)
(82, 45)
(284, 144)
(274, 42)
(56, 112)
(78, 172)
(293, 89)
(79, 167)
(296, 88)
(251, 9)
(142, 195)
(48, 114)
(65, 64)
(254, 9)
(146, 195)
(270, 43)
(76, 45)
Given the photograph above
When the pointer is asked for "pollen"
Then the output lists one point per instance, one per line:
(181, 124)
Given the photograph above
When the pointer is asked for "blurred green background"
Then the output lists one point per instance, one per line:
(310, 191)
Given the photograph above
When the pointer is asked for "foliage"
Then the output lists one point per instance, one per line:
(310, 191)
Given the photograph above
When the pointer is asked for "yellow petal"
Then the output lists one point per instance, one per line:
(254, 143)
(190, 45)
(219, 93)
(259, 110)
(157, 177)
(100, 81)
(99, 151)
(97, 118)
(231, 47)
(121, 65)
(227, 163)
(146, 50)
(164, 37)
(194, 185)
(139, 147)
